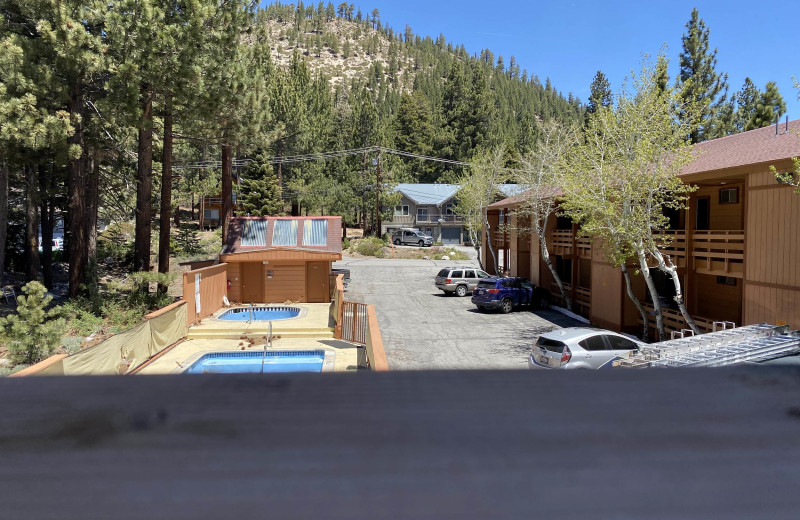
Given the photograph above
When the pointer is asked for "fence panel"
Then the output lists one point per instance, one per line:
(355, 322)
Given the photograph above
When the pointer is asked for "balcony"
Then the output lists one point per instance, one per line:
(436, 219)
(400, 220)
(561, 242)
(674, 245)
(582, 298)
(584, 247)
(673, 320)
(718, 253)
(499, 239)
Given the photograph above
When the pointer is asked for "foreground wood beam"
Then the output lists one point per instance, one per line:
(693, 444)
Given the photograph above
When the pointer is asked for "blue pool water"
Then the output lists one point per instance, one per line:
(260, 313)
(250, 362)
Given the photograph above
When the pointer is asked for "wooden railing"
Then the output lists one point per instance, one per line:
(561, 242)
(675, 242)
(583, 296)
(581, 299)
(354, 322)
(437, 218)
(584, 247)
(719, 252)
(673, 320)
(499, 238)
(401, 220)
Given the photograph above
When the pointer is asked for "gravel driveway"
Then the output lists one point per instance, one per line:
(424, 329)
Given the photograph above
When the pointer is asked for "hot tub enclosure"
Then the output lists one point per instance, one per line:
(281, 259)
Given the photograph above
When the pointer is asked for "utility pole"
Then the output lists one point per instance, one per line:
(378, 197)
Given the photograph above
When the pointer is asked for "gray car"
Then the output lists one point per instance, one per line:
(459, 280)
(580, 347)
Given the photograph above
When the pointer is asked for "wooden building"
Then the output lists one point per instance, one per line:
(737, 245)
(281, 259)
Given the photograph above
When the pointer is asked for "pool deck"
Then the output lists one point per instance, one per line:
(311, 330)
(314, 322)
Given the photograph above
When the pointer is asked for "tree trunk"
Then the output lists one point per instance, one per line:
(541, 232)
(144, 187)
(669, 268)
(166, 193)
(92, 203)
(78, 257)
(651, 287)
(489, 243)
(3, 217)
(31, 223)
(549, 263)
(636, 302)
(47, 216)
(227, 190)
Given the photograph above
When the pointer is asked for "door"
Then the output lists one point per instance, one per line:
(317, 279)
(451, 235)
(703, 213)
(252, 282)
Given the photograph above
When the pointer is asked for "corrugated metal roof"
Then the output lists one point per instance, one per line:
(254, 233)
(438, 194)
(434, 194)
(315, 232)
(284, 233)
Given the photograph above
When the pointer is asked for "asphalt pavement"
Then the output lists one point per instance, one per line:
(424, 329)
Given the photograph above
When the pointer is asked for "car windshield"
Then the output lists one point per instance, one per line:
(552, 345)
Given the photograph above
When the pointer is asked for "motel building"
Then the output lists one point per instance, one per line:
(737, 245)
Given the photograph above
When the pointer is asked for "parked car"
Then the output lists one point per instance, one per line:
(580, 347)
(412, 237)
(506, 293)
(459, 280)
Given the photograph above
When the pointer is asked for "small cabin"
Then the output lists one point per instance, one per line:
(281, 259)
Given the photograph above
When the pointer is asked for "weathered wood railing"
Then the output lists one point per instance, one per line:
(674, 244)
(561, 242)
(673, 320)
(718, 251)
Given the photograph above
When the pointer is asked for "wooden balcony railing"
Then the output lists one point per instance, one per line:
(584, 247)
(561, 242)
(433, 219)
(719, 252)
(401, 220)
(499, 238)
(582, 299)
(673, 320)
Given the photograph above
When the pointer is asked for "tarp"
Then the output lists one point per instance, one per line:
(123, 352)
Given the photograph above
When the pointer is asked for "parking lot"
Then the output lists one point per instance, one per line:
(424, 329)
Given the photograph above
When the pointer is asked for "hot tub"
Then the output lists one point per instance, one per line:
(260, 313)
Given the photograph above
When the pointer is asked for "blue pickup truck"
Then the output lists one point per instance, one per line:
(505, 294)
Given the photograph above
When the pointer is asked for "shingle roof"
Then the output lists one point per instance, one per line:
(753, 147)
(247, 234)
(438, 194)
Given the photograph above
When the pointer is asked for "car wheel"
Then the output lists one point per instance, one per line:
(461, 291)
(506, 306)
(421, 243)
(397, 241)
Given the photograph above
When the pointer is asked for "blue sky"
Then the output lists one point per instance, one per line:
(569, 41)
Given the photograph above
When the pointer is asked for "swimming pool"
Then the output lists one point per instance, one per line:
(260, 313)
(237, 362)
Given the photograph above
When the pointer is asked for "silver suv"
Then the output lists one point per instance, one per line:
(413, 237)
(459, 280)
(580, 347)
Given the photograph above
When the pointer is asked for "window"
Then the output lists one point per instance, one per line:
(315, 232)
(729, 196)
(726, 280)
(422, 214)
(469, 274)
(482, 274)
(457, 274)
(284, 233)
(593, 343)
(620, 343)
(448, 208)
(401, 211)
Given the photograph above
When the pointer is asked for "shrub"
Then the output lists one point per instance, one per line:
(346, 243)
(33, 333)
(186, 241)
(371, 247)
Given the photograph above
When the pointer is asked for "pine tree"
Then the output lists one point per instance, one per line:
(599, 94)
(698, 82)
(261, 193)
(746, 100)
(769, 108)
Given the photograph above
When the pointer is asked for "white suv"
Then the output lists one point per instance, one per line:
(580, 347)
(459, 280)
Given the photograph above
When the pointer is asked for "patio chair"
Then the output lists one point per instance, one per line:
(10, 294)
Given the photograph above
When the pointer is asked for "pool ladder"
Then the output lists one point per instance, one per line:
(250, 313)
(267, 344)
